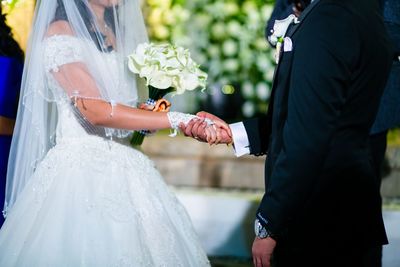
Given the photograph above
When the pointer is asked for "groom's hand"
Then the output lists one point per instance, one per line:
(197, 128)
(262, 251)
(224, 130)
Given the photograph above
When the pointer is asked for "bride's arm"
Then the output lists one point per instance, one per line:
(101, 113)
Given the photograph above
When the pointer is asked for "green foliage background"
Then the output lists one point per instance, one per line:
(227, 38)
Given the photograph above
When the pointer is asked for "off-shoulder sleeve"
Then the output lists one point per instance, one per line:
(60, 50)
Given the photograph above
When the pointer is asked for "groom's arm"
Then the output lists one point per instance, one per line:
(323, 58)
(251, 136)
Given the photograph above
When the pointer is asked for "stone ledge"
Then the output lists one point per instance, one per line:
(181, 146)
(186, 162)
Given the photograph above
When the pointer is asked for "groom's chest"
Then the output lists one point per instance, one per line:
(285, 69)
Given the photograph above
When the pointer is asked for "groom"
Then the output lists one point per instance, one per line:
(321, 207)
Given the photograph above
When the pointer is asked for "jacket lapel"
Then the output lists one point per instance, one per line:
(291, 31)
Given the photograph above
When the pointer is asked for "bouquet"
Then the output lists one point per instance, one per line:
(166, 68)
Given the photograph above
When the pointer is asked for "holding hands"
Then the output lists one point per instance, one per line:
(217, 133)
(203, 127)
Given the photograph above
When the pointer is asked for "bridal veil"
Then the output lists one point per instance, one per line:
(35, 129)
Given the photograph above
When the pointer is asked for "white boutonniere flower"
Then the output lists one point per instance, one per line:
(279, 31)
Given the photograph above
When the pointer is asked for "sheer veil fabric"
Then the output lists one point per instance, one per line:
(86, 75)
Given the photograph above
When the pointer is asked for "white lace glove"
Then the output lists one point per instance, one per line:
(176, 118)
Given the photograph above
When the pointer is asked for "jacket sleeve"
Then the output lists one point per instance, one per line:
(258, 132)
(324, 54)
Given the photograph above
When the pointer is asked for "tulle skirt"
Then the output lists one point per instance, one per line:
(94, 202)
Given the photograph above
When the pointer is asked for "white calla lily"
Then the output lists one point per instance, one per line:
(160, 80)
(139, 58)
(173, 63)
(133, 66)
(189, 81)
(147, 71)
(172, 72)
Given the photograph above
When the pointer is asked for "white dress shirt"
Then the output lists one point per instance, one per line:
(240, 139)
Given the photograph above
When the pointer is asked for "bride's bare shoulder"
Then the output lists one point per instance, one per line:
(59, 27)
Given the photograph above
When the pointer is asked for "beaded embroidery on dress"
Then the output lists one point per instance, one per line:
(93, 201)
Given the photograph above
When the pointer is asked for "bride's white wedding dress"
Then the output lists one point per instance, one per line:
(95, 202)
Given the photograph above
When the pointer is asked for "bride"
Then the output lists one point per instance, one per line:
(77, 194)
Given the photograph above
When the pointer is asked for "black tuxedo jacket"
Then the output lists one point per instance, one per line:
(319, 179)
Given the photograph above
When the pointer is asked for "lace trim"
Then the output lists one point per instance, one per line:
(178, 118)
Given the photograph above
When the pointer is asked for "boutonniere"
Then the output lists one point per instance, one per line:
(278, 33)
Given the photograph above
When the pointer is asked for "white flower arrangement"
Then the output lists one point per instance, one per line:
(166, 66)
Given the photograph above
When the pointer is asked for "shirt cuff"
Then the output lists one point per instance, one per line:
(240, 139)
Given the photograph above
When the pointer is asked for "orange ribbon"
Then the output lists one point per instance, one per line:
(162, 105)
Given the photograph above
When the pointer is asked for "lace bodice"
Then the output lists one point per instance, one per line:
(61, 50)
